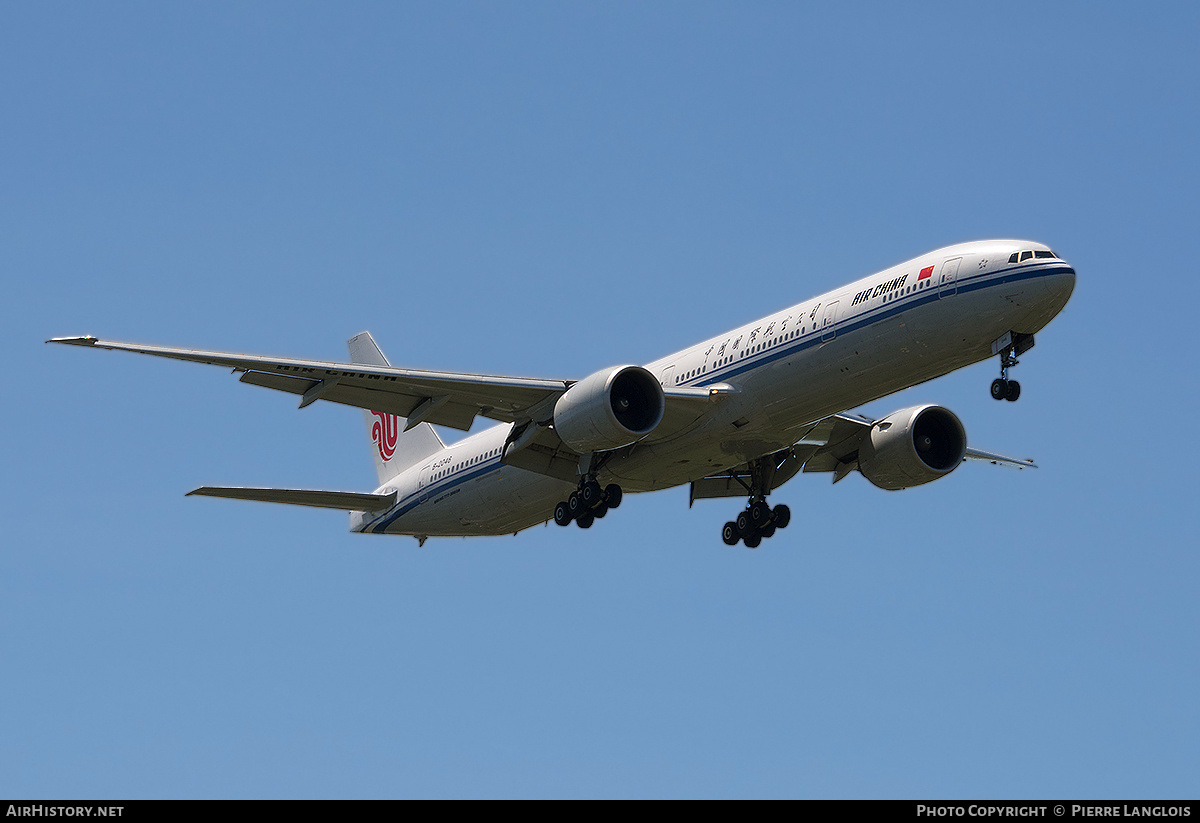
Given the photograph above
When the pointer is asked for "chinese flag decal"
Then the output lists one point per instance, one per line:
(925, 272)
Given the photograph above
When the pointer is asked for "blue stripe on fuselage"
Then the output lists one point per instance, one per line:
(813, 338)
(409, 503)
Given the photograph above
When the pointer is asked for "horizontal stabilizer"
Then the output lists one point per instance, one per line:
(346, 501)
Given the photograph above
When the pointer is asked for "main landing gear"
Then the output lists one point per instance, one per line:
(757, 522)
(587, 503)
(1009, 346)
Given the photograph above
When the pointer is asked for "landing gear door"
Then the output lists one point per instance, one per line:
(948, 284)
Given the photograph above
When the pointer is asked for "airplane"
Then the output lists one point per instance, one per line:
(737, 415)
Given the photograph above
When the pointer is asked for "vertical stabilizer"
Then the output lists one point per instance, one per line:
(394, 448)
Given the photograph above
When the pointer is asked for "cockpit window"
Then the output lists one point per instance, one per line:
(1026, 255)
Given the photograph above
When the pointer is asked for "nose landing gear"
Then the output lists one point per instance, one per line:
(1009, 347)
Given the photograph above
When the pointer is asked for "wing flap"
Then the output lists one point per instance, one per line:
(725, 485)
(454, 415)
(779, 468)
(346, 501)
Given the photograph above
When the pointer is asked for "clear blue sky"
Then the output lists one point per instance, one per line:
(545, 189)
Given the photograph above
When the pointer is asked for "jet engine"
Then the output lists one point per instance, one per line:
(911, 447)
(612, 408)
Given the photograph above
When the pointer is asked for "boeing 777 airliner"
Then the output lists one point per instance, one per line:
(737, 415)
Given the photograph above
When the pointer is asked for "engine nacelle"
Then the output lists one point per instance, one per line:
(612, 408)
(911, 447)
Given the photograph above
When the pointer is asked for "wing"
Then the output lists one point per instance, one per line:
(1000, 460)
(830, 445)
(444, 398)
(347, 501)
(839, 437)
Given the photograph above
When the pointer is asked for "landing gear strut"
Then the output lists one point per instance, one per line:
(1009, 347)
(587, 503)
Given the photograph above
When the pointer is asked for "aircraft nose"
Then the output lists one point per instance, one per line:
(1067, 283)
(1059, 287)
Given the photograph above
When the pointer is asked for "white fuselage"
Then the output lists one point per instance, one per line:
(887, 332)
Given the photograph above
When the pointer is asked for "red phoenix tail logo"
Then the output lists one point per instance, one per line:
(384, 432)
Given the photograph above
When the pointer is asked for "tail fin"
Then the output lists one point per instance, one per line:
(395, 449)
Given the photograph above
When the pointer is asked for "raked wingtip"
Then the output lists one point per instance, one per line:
(86, 340)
